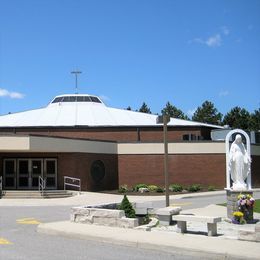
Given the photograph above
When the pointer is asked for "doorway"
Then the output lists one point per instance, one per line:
(24, 173)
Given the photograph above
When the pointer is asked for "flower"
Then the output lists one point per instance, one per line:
(245, 204)
(238, 218)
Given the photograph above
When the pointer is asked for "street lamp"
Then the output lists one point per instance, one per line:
(165, 119)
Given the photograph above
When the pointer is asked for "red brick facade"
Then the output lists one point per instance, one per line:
(119, 134)
(183, 169)
(204, 169)
(77, 165)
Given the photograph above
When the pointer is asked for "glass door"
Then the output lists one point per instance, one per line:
(23, 174)
(50, 170)
(36, 170)
(9, 179)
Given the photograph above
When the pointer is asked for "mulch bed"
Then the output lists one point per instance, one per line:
(134, 193)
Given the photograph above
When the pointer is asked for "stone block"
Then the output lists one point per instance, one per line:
(257, 227)
(143, 190)
(97, 212)
(127, 222)
(246, 235)
(168, 211)
(212, 229)
(82, 219)
(181, 227)
(112, 222)
(165, 215)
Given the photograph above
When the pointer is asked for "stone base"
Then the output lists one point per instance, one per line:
(100, 216)
(165, 215)
(232, 203)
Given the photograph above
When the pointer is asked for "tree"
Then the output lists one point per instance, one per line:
(238, 118)
(255, 120)
(144, 109)
(207, 113)
(127, 207)
(128, 108)
(173, 111)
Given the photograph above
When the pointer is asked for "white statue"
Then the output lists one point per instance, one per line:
(239, 164)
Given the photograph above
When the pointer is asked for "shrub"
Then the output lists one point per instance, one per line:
(211, 188)
(176, 188)
(123, 189)
(152, 187)
(127, 207)
(194, 188)
(138, 186)
(160, 190)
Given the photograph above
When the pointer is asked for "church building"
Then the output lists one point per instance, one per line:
(79, 136)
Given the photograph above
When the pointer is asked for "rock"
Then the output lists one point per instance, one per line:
(142, 190)
(165, 215)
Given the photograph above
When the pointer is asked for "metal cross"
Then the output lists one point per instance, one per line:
(76, 72)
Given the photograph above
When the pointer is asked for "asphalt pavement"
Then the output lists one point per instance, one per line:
(19, 238)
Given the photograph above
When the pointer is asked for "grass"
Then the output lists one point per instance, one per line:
(256, 206)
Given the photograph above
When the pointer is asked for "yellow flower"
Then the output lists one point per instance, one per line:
(240, 196)
(238, 214)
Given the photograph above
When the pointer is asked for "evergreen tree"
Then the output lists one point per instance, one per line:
(173, 111)
(128, 108)
(145, 109)
(238, 118)
(207, 113)
(255, 120)
(127, 207)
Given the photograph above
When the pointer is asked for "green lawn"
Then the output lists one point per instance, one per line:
(256, 206)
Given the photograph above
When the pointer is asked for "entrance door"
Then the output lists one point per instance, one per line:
(36, 170)
(23, 174)
(50, 172)
(9, 179)
(28, 172)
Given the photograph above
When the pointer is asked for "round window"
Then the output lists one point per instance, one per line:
(97, 171)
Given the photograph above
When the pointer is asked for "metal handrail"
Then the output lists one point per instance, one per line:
(42, 184)
(73, 182)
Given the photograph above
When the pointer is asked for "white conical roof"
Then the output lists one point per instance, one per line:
(84, 110)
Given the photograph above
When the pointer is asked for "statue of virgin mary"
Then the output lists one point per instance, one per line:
(239, 164)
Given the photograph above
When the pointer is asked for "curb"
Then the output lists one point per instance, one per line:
(135, 242)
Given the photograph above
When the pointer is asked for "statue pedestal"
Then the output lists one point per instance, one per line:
(232, 204)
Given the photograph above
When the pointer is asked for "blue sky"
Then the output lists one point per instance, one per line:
(130, 51)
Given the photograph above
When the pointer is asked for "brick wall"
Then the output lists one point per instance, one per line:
(77, 165)
(186, 169)
(255, 170)
(123, 134)
(183, 169)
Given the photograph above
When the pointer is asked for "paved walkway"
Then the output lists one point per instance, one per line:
(92, 198)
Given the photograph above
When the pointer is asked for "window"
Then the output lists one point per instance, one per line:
(58, 99)
(77, 99)
(97, 171)
(69, 99)
(95, 99)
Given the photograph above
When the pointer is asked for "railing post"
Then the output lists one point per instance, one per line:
(73, 181)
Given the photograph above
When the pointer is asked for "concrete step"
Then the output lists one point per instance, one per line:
(14, 194)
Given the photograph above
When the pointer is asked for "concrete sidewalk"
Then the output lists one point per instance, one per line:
(90, 198)
(187, 244)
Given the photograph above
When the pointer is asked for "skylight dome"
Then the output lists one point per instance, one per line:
(76, 98)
